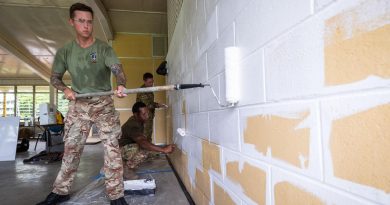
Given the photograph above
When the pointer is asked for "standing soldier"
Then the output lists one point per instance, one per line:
(90, 62)
(148, 99)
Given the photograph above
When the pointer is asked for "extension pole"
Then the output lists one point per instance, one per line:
(144, 90)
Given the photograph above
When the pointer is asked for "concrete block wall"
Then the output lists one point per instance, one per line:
(312, 124)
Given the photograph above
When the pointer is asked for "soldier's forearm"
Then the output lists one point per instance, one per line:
(56, 81)
(117, 70)
(145, 144)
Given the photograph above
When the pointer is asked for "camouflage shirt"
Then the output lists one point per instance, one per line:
(89, 67)
(148, 99)
(130, 130)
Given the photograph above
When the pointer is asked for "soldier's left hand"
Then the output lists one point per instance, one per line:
(119, 91)
(163, 105)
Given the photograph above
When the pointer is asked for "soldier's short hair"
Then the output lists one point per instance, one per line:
(147, 76)
(137, 106)
(79, 7)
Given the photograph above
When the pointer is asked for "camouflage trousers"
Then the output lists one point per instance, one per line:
(81, 115)
(148, 127)
(132, 155)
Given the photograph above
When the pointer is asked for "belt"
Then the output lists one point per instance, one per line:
(85, 98)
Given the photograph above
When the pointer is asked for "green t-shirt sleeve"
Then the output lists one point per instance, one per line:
(110, 57)
(59, 64)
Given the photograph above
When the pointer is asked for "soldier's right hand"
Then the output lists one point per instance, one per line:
(69, 94)
(169, 149)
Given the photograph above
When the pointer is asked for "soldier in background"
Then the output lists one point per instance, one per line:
(135, 148)
(148, 99)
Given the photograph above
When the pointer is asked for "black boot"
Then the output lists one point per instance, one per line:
(120, 201)
(53, 199)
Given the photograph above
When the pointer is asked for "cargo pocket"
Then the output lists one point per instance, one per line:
(69, 119)
(109, 126)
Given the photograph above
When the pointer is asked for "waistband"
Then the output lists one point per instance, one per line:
(93, 98)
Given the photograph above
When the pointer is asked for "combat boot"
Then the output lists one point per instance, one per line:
(120, 201)
(53, 199)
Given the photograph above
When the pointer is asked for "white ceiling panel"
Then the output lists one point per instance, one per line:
(137, 5)
(131, 22)
(11, 67)
(38, 28)
(41, 3)
(2, 51)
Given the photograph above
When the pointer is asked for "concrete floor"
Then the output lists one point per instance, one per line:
(26, 184)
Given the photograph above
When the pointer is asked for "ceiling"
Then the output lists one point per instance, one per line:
(31, 31)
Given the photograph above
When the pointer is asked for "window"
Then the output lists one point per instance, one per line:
(42, 95)
(7, 101)
(24, 101)
(62, 104)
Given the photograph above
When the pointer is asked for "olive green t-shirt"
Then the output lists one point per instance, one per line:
(89, 67)
(130, 130)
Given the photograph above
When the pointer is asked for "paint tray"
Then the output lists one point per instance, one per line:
(140, 187)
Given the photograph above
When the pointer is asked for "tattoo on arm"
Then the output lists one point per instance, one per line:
(56, 81)
(119, 74)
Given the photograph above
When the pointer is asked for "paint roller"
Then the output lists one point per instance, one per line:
(232, 57)
(143, 90)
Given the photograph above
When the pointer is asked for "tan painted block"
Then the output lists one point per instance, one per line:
(184, 160)
(176, 159)
(353, 54)
(183, 107)
(251, 179)
(126, 102)
(211, 156)
(288, 194)
(132, 45)
(221, 197)
(160, 97)
(186, 179)
(169, 129)
(124, 115)
(286, 141)
(184, 112)
(134, 70)
(360, 147)
(202, 181)
(160, 127)
(180, 162)
(198, 196)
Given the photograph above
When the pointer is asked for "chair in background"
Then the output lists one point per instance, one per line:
(52, 135)
(55, 141)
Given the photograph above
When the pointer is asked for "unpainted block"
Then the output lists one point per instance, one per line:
(288, 194)
(251, 179)
(360, 147)
(221, 197)
(282, 135)
(355, 49)
(211, 156)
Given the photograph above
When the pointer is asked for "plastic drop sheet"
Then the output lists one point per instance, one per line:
(168, 190)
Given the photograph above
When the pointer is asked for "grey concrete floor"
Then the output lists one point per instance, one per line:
(26, 184)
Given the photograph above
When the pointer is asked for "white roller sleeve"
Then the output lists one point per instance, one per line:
(232, 57)
(181, 131)
(139, 184)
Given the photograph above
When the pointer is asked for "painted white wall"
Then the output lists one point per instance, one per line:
(282, 72)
